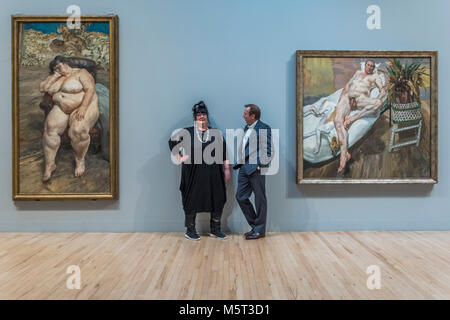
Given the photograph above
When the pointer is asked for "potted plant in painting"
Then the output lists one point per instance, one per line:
(405, 82)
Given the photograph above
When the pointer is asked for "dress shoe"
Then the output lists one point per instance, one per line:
(254, 235)
(248, 233)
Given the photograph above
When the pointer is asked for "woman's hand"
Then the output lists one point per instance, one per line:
(182, 158)
(79, 113)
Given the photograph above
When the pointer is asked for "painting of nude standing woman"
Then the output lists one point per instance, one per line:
(64, 108)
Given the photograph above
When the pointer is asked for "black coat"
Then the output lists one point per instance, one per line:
(202, 185)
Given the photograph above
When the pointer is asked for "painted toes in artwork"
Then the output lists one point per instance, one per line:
(79, 168)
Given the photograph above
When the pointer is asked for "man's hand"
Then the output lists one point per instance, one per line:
(347, 122)
(226, 168)
(227, 174)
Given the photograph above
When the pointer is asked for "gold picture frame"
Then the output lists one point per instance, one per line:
(35, 40)
(321, 74)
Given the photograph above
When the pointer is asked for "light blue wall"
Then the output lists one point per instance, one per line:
(232, 52)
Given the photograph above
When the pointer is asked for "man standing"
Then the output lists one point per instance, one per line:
(255, 154)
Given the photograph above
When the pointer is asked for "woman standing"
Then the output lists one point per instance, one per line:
(202, 180)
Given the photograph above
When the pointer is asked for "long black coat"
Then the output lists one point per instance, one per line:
(202, 185)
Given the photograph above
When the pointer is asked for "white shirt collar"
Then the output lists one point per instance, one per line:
(253, 125)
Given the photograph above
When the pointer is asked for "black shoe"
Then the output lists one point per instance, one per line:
(254, 235)
(214, 224)
(192, 234)
(248, 233)
(218, 234)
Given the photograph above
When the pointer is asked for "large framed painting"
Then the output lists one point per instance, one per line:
(367, 117)
(65, 107)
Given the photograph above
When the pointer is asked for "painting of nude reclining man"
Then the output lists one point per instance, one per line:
(366, 117)
(64, 108)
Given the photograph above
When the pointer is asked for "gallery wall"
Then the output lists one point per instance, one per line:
(174, 53)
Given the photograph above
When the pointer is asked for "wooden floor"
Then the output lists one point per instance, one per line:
(300, 265)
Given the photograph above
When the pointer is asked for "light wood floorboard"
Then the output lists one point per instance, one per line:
(294, 265)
